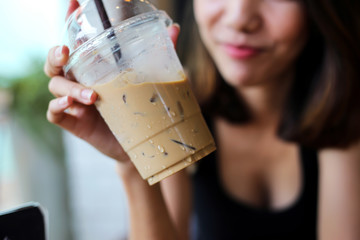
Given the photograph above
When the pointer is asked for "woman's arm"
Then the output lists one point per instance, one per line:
(177, 191)
(339, 196)
(157, 212)
(149, 216)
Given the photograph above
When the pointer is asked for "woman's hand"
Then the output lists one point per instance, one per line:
(73, 108)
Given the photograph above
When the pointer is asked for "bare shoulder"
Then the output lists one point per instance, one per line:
(333, 154)
(340, 169)
(339, 193)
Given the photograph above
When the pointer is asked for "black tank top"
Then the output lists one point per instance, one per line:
(218, 216)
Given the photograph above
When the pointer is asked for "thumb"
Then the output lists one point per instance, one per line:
(73, 5)
(174, 31)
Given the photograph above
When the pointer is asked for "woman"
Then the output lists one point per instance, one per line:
(279, 92)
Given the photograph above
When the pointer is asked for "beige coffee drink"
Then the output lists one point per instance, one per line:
(159, 124)
(123, 51)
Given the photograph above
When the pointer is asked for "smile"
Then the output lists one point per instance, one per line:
(240, 52)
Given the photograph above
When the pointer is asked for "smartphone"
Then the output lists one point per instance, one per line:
(25, 222)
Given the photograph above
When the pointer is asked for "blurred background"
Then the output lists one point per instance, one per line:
(38, 162)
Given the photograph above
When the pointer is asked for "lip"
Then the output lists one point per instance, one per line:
(241, 51)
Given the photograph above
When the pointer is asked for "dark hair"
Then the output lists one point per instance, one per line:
(322, 105)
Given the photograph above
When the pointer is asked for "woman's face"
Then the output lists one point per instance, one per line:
(252, 41)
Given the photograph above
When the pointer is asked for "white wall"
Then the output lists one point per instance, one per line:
(33, 175)
(98, 203)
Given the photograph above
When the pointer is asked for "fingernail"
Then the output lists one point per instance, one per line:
(86, 94)
(58, 52)
(63, 101)
(177, 25)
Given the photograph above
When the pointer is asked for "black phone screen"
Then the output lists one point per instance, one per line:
(25, 222)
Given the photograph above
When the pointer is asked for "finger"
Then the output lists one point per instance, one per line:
(60, 86)
(77, 110)
(174, 31)
(73, 5)
(55, 113)
(56, 59)
(71, 121)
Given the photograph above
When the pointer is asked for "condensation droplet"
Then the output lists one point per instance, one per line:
(161, 149)
(189, 160)
(163, 166)
(151, 141)
(173, 113)
(148, 126)
(194, 130)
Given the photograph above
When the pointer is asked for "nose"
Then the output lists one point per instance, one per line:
(243, 15)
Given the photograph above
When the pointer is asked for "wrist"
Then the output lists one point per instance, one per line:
(128, 172)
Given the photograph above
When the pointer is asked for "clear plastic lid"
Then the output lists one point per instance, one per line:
(93, 17)
(98, 28)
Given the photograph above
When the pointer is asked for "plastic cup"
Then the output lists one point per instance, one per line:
(144, 96)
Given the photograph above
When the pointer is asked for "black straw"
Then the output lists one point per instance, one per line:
(107, 24)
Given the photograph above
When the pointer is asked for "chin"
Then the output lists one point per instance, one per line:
(237, 79)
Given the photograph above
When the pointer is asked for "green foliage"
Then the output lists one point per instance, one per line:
(30, 101)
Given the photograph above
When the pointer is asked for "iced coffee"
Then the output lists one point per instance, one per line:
(130, 61)
(159, 124)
